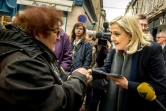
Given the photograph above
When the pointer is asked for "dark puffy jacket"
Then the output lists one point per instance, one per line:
(83, 55)
(31, 79)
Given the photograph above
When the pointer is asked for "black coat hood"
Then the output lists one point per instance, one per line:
(29, 44)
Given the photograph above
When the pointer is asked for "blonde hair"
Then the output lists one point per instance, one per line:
(131, 26)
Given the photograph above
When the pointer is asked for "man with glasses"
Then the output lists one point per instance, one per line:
(161, 39)
(144, 24)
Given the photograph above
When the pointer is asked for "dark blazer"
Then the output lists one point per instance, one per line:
(164, 54)
(150, 68)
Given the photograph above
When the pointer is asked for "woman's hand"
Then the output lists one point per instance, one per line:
(90, 71)
(85, 72)
(121, 82)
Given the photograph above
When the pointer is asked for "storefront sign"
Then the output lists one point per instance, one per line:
(61, 5)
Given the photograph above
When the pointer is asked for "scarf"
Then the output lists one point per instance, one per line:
(121, 65)
(75, 47)
(116, 97)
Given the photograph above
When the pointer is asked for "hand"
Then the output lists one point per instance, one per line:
(68, 77)
(121, 82)
(90, 71)
(62, 69)
(85, 72)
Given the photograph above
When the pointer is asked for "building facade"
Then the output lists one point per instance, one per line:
(100, 14)
(155, 11)
(7, 10)
(72, 9)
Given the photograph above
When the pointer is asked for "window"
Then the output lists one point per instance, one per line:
(144, 7)
(160, 2)
(151, 5)
(4, 19)
(135, 6)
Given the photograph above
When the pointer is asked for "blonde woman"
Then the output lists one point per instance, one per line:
(139, 60)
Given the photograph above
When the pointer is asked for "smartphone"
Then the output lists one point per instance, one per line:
(116, 75)
(109, 74)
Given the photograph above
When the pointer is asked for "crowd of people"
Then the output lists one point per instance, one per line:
(43, 68)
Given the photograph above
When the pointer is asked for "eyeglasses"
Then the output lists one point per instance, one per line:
(144, 25)
(55, 31)
(160, 37)
(79, 28)
(90, 36)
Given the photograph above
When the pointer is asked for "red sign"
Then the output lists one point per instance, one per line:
(82, 18)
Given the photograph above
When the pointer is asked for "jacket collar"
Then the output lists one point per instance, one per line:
(25, 42)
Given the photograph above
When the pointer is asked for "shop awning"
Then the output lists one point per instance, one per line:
(64, 5)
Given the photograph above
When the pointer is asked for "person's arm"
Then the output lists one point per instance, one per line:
(106, 67)
(157, 74)
(67, 54)
(101, 55)
(32, 83)
(157, 70)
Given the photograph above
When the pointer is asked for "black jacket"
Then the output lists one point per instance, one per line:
(31, 79)
(150, 69)
(164, 54)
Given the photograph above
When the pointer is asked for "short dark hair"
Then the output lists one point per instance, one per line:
(141, 16)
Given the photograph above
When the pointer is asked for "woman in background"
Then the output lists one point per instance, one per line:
(82, 49)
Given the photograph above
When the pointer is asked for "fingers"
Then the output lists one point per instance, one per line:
(62, 69)
(90, 71)
(121, 82)
(86, 72)
(90, 78)
(81, 70)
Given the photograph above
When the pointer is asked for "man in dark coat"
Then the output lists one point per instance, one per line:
(161, 40)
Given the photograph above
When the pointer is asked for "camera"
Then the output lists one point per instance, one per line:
(104, 35)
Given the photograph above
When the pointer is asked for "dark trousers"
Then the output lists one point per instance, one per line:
(93, 97)
(89, 97)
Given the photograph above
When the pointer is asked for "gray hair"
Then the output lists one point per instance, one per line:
(91, 33)
(162, 32)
